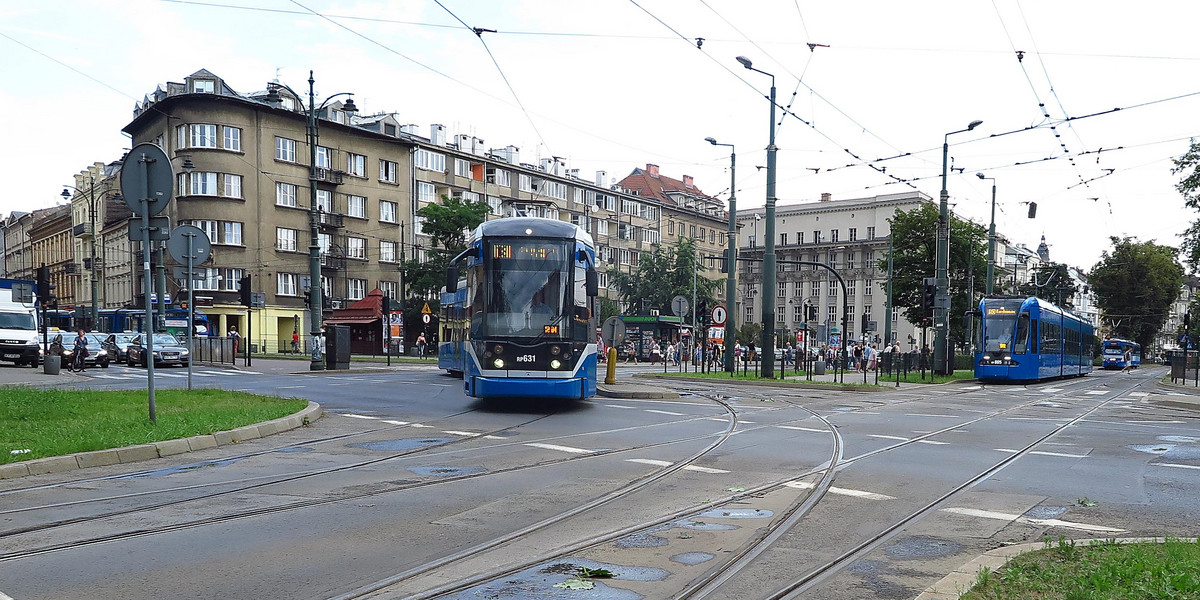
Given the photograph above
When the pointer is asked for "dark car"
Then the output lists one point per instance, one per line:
(167, 351)
(97, 355)
(116, 344)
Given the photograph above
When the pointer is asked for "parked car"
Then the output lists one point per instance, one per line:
(167, 351)
(97, 355)
(116, 345)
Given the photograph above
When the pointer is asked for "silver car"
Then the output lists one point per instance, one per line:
(167, 351)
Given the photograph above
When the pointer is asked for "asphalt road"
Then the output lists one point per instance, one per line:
(405, 486)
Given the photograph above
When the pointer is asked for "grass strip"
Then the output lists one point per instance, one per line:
(852, 377)
(1100, 570)
(51, 422)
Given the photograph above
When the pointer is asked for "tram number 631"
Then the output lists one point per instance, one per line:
(526, 358)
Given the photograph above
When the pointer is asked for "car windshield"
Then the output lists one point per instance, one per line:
(124, 338)
(94, 339)
(17, 320)
(165, 339)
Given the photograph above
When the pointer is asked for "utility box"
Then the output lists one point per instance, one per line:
(819, 367)
(337, 347)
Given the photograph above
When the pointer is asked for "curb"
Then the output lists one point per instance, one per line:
(962, 579)
(804, 385)
(641, 393)
(143, 452)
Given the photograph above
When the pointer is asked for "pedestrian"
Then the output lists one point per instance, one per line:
(630, 352)
(295, 342)
(858, 357)
(1128, 360)
(421, 346)
(655, 352)
(235, 338)
(79, 352)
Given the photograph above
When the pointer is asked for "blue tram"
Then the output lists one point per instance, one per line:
(1027, 339)
(519, 321)
(1121, 353)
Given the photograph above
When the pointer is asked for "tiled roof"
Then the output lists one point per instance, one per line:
(658, 186)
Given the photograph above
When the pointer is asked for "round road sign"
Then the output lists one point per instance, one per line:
(147, 180)
(426, 318)
(719, 315)
(185, 238)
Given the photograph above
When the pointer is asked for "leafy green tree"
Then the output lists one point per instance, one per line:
(662, 274)
(1189, 166)
(1135, 284)
(914, 257)
(1051, 283)
(749, 334)
(447, 225)
(608, 308)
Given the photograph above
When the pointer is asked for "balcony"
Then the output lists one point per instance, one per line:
(329, 220)
(328, 175)
(82, 230)
(334, 260)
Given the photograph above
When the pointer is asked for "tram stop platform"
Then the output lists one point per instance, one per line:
(636, 391)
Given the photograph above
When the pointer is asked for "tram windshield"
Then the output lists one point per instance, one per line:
(999, 324)
(528, 291)
(1114, 348)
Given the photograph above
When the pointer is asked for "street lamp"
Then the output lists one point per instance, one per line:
(768, 298)
(941, 309)
(66, 194)
(730, 257)
(991, 264)
(314, 246)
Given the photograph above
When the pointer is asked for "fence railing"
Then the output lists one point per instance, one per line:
(212, 350)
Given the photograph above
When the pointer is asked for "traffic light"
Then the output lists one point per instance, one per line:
(928, 295)
(45, 289)
(1186, 322)
(702, 313)
(244, 291)
(307, 297)
(1032, 210)
(810, 313)
(864, 323)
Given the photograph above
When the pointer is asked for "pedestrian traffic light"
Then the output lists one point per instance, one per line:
(865, 317)
(307, 297)
(45, 289)
(244, 292)
(928, 295)
(1186, 322)
(702, 312)
(811, 313)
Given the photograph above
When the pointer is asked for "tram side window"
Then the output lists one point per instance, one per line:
(1021, 341)
(1033, 337)
(476, 292)
(581, 329)
(1051, 334)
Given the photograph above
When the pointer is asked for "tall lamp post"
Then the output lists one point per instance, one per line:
(941, 310)
(991, 264)
(730, 257)
(314, 245)
(66, 194)
(768, 297)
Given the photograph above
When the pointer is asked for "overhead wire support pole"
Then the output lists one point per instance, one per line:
(730, 259)
(941, 310)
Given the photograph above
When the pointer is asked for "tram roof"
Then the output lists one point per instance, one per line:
(533, 226)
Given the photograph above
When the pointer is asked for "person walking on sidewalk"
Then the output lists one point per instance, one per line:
(421, 346)
(233, 335)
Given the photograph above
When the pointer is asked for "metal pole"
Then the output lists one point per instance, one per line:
(768, 299)
(887, 316)
(95, 280)
(731, 265)
(991, 264)
(941, 313)
(314, 244)
(191, 317)
(148, 330)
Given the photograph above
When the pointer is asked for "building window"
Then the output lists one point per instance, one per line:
(202, 136)
(817, 236)
(285, 194)
(356, 289)
(783, 239)
(233, 185)
(833, 236)
(324, 242)
(815, 290)
(692, 231)
(209, 228)
(670, 227)
(233, 138)
(198, 184)
(285, 239)
(325, 200)
(232, 231)
(203, 86)
(779, 315)
(525, 183)
(782, 290)
(425, 192)
(387, 251)
(285, 149)
(749, 314)
(853, 234)
(833, 290)
(324, 157)
(867, 287)
(851, 288)
(870, 233)
(389, 288)
(356, 165)
(356, 206)
(462, 168)
(356, 247)
(499, 177)
(285, 284)
(799, 237)
(429, 161)
(831, 316)
(797, 313)
(387, 211)
(387, 171)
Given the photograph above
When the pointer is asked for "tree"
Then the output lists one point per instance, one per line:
(447, 224)
(1052, 283)
(662, 274)
(1189, 187)
(1135, 284)
(914, 257)
(608, 308)
(749, 334)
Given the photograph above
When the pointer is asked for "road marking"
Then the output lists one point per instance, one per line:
(987, 514)
(928, 415)
(106, 377)
(970, 388)
(463, 433)
(172, 375)
(664, 412)
(1050, 390)
(560, 448)
(288, 387)
(1098, 392)
(1139, 394)
(1060, 454)
(617, 406)
(353, 416)
(904, 439)
(391, 422)
(803, 428)
(418, 425)
(803, 485)
(1175, 465)
(1159, 422)
(663, 463)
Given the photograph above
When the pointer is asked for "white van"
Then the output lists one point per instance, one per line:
(18, 325)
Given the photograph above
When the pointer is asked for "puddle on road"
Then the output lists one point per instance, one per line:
(1178, 439)
(402, 444)
(537, 583)
(641, 540)
(922, 547)
(737, 513)
(446, 471)
(692, 558)
(1045, 512)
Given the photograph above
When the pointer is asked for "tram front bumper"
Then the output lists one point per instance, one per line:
(495, 387)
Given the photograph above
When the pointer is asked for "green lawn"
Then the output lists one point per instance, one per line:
(51, 422)
(852, 377)
(1096, 571)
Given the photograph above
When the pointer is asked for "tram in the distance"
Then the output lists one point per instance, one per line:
(1121, 353)
(517, 313)
(1028, 339)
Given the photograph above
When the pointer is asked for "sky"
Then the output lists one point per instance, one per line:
(1084, 104)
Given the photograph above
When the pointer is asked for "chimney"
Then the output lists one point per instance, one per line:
(826, 196)
(687, 181)
(600, 177)
(437, 134)
(547, 165)
(652, 169)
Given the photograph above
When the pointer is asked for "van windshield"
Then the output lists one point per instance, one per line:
(15, 320)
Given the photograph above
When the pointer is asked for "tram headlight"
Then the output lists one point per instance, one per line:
(987, 357)
(1007, 358)
(556, 364)
(555, 350)
(498, 363)
(498, 349)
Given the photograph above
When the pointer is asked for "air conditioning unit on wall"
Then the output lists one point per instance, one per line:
(335, 304)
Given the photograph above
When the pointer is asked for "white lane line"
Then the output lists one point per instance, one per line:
(1098, 392)
(418, 425)
(1197, 467)
(1159, 422)
(987, 514)
(560, 448)
(463, 433)
(970, 388)
(1059, 454)
(288, 387)
(617, 406)
(664, 412)
(904, 439)
(793, 427)
(929, 415)
(106, 377)
(1139, 394)
(354, 416)
(1050, 390)
(171, 375)
(718, 419)
(663, 463)
(391, 422)
(802, 485)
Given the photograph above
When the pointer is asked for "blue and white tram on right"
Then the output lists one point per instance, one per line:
(1027, 339)
(1121, 353)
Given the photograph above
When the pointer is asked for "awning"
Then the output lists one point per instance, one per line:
(343, 321)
